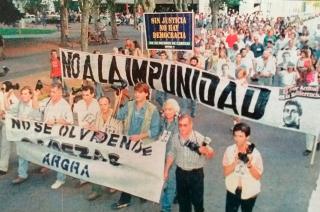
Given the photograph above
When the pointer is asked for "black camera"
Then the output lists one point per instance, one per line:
(9, 85)
(39, 85)
(118, 87)
(193, 146)
(76, 90)
(244, 156)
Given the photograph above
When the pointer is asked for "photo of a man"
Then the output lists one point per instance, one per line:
(292, 112)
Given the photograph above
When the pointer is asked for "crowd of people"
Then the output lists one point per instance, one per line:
(248, 49)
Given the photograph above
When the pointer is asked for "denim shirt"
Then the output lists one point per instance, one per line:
(137, 120)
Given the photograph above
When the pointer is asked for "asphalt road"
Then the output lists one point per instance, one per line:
(287, 182)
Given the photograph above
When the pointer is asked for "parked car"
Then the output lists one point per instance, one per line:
(29, 18)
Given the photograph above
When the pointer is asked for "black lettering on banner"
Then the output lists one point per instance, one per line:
(229, 89)
(113, 140)
(113, 159)
(63, 130)
(85, 171)
(128, 71)
(194, 81)
(65, 164)
(38, 127)
(169, 88)
(67, 148)
(47, 129)
(183, 82)
(75, 166)
(26, 140)
(71, 134)
(100, 72)
(214, 81)
(83, 133)
(88, 74)
(146, 151)
(26, 125)
(125, 141)
(40, 142)
(15, 124)
(83, 151)
(69, 64)
(55, 161)
(137, 150)
(99, 137)
(114, 73)
(54, 145)
(154, 72)
(139, 74)
(98, 156)
(260, 105)
(46, 159)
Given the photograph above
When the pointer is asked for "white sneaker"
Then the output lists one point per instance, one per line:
(57, 184)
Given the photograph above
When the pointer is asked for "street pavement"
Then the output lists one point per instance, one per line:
(287, 182)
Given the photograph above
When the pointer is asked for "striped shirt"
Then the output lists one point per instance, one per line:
(185, 158)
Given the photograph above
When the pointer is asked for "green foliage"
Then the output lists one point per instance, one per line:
(34, 6)
(9, 13)
(232, 3)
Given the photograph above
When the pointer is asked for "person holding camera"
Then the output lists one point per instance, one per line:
(243, 168)
(55, 111)
(190, 150)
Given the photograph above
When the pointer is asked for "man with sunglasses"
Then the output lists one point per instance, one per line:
(189, 151)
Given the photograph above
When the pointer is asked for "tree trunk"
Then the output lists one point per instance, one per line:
(85, 13)
(214, 6)
(148, 5)
(63, 22)
(114, 30)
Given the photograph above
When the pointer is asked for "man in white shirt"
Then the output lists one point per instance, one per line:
(266, 68)
(86, 111)
(55, 110)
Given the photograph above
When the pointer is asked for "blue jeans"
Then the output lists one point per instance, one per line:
(23, 168)
(169, 191)
(61, 176)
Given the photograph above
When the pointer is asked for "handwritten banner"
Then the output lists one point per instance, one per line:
(256, 103)
(111, 160)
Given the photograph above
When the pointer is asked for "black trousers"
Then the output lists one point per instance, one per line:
(125, 198)
(190, 189)
(234, 201)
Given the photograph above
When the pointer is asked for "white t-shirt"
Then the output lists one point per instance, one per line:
(288, 78)
(86, 114)
(59, 110)
(241, 174)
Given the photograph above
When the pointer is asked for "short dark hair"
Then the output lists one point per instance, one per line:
(88, 88)
(56, 85)
(185, 116)
(105, 97)
(295, 103)
(194, 58)
(243, 127)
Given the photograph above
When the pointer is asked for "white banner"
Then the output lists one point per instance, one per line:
(107, 159)
(267, 105)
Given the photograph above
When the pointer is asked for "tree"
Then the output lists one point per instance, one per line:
(64, 16)
(85, 7)
(34, 6)
(9, 13)
(180, 5)
(148, 5)
(215, 5)
(112, 10)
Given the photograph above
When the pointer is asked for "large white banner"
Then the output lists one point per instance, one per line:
(107, 159)
(295, 109)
